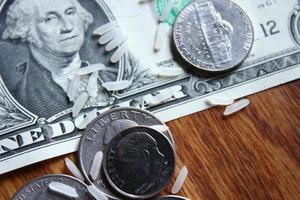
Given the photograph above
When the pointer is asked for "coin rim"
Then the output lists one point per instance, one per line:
(48, 176)
(91, 124)
(126, 194)
(213, 70)
(174, 196)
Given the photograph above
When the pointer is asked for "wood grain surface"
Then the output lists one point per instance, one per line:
(253, 154)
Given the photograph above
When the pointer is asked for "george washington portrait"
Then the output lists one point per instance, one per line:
(45, 42)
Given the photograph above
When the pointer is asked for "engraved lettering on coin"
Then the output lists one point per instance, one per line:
(102, 129)
(213, 35)
(139, 162)
(38, 188)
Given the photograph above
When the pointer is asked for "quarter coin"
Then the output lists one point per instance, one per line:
(213, 35)
(139, 162)
(99, 133)
(38, 188)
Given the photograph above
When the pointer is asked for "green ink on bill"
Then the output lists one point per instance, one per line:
(178, 7)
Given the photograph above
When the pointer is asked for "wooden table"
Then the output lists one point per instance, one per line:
(253, 154)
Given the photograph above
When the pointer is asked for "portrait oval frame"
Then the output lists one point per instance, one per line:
(89, 53)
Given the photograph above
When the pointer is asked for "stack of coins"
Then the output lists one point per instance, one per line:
(139, 160)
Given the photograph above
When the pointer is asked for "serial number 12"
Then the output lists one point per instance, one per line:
(270, 28)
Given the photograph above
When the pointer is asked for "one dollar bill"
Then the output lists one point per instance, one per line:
(35, 115)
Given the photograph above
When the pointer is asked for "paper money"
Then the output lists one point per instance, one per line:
(35, 113)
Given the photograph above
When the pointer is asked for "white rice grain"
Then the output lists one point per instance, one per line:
(236, 107)
(109, 36)
(90, 116)
(167, 9)
(115, 42)
(160, 36)
(92, 87)
(79, 103)
(96, 165)
(73, 169)
(90, 69)
(96, 193)
(117, 55)
(219, 101)
(180, 180)
(63, 189)
(170, 72)
(161, 97)
(105, 28)
(72, 89)
(116, 85)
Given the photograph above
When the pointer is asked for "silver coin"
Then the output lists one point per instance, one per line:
(139, 162)
(294, 24)
(38, 188)
(213, 35)
(170, 197)
(101, 130)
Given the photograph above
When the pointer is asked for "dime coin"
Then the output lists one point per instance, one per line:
(139, 162)
(213, 35)
(38, 188)
(170, 197)
(99, 132)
